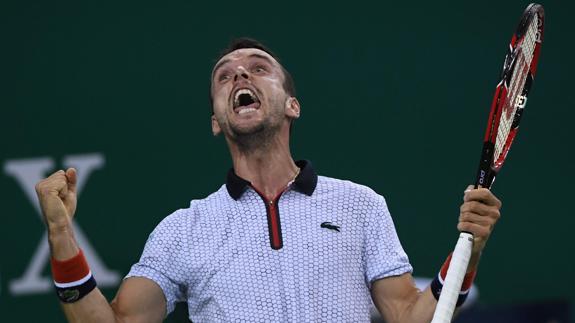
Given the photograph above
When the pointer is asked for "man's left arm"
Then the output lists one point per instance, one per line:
(397, 298)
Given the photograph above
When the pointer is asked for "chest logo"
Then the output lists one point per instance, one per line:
(331, 226)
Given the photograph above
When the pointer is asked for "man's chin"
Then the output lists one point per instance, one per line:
(246, 130)
(252, 138)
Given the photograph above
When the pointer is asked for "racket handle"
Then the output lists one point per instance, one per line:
(453, 279)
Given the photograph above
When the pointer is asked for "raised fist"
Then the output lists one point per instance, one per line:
(57, 195)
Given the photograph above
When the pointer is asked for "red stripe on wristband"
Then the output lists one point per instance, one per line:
(70, 270)
(467, 279)
(444, 267)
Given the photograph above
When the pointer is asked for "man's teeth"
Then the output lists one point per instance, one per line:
(246, 110)
(243, 91)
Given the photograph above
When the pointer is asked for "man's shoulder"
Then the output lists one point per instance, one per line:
(330, 184)
(359, 198)
(220, 195)
(196, 206)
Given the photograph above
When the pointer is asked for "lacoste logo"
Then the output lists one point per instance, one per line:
(69, 295)
(331, 226)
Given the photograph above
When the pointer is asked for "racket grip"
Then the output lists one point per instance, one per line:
(454, 278)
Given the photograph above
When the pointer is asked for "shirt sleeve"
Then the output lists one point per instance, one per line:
(383, 254)
(159, 261)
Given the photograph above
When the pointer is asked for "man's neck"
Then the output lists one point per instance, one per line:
(269, 169)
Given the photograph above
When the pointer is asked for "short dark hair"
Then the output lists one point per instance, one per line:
(245, 42)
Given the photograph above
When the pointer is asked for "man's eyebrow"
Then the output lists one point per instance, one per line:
(227, 60)
(219, 64)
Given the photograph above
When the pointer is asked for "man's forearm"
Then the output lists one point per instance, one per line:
(423, 308)
(93, 307)
(62, 242)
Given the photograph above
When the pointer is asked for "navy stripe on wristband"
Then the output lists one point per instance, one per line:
(68, 293)
(462, 297)
(437, 285)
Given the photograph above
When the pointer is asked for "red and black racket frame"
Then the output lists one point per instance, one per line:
(489, 164)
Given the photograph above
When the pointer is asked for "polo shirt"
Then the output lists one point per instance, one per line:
(309, 255)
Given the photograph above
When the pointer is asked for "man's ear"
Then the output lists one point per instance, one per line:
(216, 130)
(292, 108)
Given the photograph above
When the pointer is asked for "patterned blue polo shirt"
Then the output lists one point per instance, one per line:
(309, 255)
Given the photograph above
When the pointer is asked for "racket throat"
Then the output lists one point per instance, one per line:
(485, 173)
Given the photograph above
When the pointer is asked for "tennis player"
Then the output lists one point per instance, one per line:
(276, 243)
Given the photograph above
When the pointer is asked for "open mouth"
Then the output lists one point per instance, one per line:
(245, 101)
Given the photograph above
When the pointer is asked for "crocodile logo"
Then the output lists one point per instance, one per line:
(331, 226)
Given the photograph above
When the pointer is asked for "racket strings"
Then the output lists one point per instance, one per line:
(518, 78)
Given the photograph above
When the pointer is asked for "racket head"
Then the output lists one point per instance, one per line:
(516, 78)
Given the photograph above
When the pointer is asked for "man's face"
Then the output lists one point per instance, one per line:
(248, 93)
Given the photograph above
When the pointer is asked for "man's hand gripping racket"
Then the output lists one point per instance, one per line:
(506, 109)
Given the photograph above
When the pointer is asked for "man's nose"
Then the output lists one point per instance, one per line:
(241, 73)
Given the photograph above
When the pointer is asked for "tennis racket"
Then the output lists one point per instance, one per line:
(507, 107)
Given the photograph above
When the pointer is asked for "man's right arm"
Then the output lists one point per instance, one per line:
(138, 299)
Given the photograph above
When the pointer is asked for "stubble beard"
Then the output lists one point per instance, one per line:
(256, 138)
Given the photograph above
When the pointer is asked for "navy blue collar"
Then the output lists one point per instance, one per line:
(305, 182)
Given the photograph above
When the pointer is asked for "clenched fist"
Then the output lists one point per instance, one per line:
(478, 215)
(57, 195)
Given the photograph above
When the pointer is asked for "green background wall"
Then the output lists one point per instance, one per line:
(393, 96)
